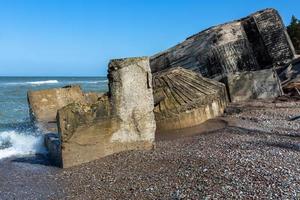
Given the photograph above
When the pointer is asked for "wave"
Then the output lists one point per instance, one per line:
(66, 82)
(34, 82)
(89, 82)
(103, 81)
(13, 143)
(42, 82)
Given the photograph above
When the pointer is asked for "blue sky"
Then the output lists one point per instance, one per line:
(78, 37)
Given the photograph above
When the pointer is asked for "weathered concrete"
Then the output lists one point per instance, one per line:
(290, 78)
(92, 97)
(184, 99)
(290, 71)
(130, 84)
(43, 104)
(259, 41)
(121, 120)
(261, 84)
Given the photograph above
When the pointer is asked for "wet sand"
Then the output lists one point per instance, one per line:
(253, 151)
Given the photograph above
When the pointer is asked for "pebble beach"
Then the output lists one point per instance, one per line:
(251, 152)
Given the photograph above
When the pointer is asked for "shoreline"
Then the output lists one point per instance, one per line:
(252, 151)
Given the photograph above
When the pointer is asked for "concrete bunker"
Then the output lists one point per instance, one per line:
(256, 42)
(239, 53)
(184, 98)
(262, 84)
(121, 120)
(43, 104)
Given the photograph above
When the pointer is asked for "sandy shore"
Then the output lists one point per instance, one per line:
(252, 152)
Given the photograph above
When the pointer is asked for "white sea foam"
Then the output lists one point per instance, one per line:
(43, 82)
(36, 83)
(103, 81)
(89, 82)
(13, 143)
(33, 82)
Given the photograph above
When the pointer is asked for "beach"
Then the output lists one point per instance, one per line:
(149, 100)
(250, 152)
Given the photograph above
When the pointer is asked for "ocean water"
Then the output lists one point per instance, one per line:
(17, 135)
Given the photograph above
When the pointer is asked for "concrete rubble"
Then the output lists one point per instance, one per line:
(256, 42)
(262, 84)
(43, 104)
(290, 78)
(192, 82)
(184, 98)
(121, 120)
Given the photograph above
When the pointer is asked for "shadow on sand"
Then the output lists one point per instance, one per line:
(291, 140)
(38, 159)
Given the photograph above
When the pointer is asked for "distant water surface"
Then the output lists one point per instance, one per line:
(17, 136)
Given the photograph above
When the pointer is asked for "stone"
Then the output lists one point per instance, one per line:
(43, 105)
(52, 143)
(256, 42)
(184, 99)
(292, 88)
(290, 71)
(262, 84)
(121, 120)
(92, 97)
(290, 78)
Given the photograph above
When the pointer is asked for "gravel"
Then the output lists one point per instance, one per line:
(255, 154)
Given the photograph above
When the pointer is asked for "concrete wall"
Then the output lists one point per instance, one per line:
(122, 120)
(185, 99)
(256, 42)
(131, 93)
(262, 84)
(43, 105)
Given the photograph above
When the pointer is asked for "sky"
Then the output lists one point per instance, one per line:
(79, 37)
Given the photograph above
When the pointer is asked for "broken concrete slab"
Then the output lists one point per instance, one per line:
(290, 71)
(43, 104)
(92, 97)
(185, 99)
(292, 88)
(248, 85)
(256, 42)
(121, 120)
(290, 78)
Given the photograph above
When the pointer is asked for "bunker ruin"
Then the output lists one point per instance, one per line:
(178, 88)
(184, 98)
(256, 42)
(43, 104)
(121, 120)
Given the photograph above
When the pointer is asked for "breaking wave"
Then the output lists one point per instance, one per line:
(13, 143)
(90, 82)
(34, 82)
(102, 81)
(43, 82)
(50, 82)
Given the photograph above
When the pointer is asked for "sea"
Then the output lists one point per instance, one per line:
(18, 137)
